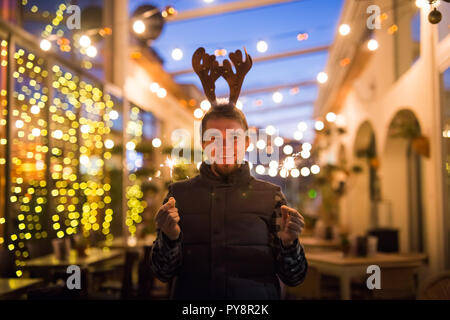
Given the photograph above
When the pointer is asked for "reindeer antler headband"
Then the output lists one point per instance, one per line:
(208, 70)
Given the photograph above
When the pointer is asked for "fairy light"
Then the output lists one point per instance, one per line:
(372, 44)
(319, 125)
(198, 113)
(262, 46)
(278, 141)
(154, 86)
(270, 130)
(260, 144)
(205, 105)
(156, 142)
(315, 169)
(177, 54)
(287, 149)
(161, 93)
(322, 77)
(139, 27)
(344, 29)
(84, 41)
(45, 45)
(260, 169)
(91, 51)
(302, 126)
(298, 135)
(277, 97)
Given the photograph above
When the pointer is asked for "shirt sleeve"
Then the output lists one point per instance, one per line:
(290, 262)
(166, 254)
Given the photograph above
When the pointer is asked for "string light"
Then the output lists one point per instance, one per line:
(319, 125)
(262, 46)
(315, 169)
(205, 105)
(372, 44)
(177, 54)
(302, 126)
(278, 141)
(91, 51)
(139, 27)
(260, 169)
(270, 130)
(161, 93)
(156, 142)
(198, 113)
(287, 149)
(331, 117)
(298, 135)
(322, 77)
(344, 29)
(84, 41)
(277, 97)
(45, 45)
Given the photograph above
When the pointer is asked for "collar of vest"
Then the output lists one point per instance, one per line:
(237, 177)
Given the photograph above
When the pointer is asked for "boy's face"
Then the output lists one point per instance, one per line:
(233, 147)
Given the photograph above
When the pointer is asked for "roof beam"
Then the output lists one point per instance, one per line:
(306, 83)
(224, 8)
(276, 56)
(282, 107)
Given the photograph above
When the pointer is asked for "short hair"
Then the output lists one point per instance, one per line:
(223, 111)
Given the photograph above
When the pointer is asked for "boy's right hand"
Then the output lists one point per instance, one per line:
(167, 219)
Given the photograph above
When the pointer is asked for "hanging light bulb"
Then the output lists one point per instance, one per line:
(198, 113)
(139, 26)
(156, 142)
(270, 130)
(331, 117)
(277, 97)
(262, 46)
(205, 105)
(344, 29)
(322, 77)
(45, 45)
(372, 44)
(91, 51)
(319, 125)
(84, 41)
(177, 54)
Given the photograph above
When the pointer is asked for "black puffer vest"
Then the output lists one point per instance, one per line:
(226, 225)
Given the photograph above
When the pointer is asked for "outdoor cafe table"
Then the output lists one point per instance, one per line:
(11, 288)
(335, 264)
(314, 244)
(93, 256)
(122, 243)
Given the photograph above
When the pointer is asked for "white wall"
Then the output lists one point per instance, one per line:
(376, 98)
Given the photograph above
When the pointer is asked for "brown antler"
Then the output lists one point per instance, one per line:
(235, 80)
(208, 70)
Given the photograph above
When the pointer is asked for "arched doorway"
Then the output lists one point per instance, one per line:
(364, 191)
(402, 178)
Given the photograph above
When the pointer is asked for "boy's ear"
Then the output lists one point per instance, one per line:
(247, 142)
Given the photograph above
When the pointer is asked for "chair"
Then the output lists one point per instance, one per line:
(124, 289)
(436, 288)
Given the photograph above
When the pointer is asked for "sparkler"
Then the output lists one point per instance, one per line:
(170, 163)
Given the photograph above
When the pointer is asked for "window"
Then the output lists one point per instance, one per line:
(445, 103)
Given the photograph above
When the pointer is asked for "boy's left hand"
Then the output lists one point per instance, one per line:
(292, 224)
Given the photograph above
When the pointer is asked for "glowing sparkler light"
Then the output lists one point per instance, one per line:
(170, 163)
